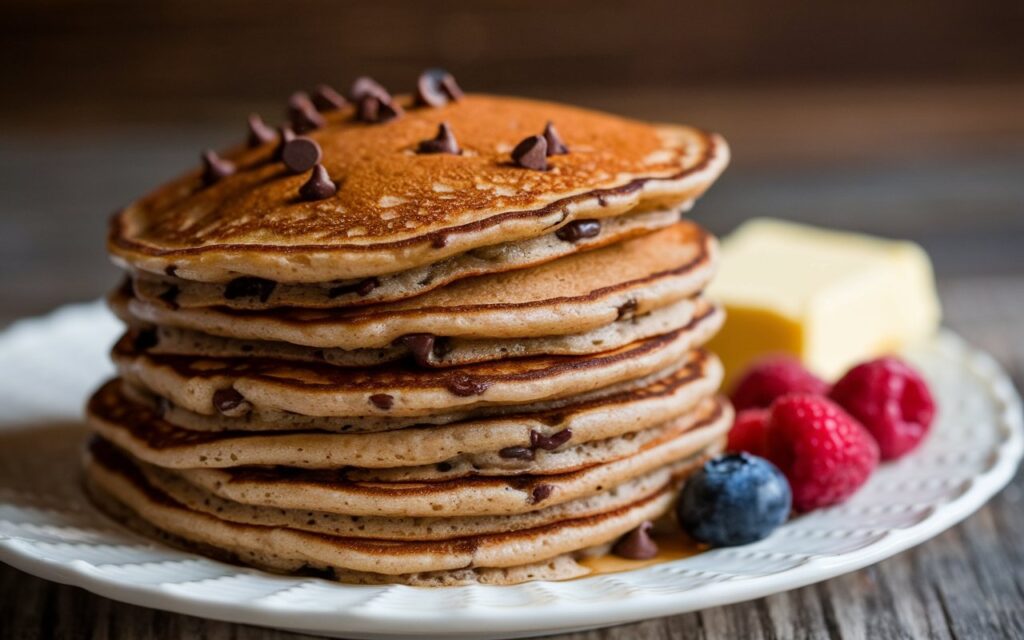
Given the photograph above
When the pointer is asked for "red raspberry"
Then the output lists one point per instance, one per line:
(891, 400)
(771, 378)
(748, 431)
(824, 453)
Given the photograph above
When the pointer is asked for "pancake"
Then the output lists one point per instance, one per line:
(434, 352)
(572, 295)
(139, 429)
(333, 492)
(396, 209)
(263, 420)
(122, 481)
(396, 390)
(507, 256)
(423, 528)
(569, 457)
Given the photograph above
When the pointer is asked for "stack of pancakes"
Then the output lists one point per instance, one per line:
(478, 364)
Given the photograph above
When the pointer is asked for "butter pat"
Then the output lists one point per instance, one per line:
(831, 298)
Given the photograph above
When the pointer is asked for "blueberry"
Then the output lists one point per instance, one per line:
(734, 499)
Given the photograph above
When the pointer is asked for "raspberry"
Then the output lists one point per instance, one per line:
(771, 378)
(824, 452)
(891, 400)
(748, 430)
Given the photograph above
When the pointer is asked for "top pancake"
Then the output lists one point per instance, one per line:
(396, 209)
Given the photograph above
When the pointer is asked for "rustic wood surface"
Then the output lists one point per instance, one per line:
(951, 179)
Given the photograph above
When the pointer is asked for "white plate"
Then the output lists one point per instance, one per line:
(47, 528)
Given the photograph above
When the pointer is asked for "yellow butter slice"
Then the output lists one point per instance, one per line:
(831, 298)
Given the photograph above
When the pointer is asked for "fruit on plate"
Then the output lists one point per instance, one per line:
(823, 451)
(734, 499)
(891, 400)
(771, 378)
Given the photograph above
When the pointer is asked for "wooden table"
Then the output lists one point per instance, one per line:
(953, 182)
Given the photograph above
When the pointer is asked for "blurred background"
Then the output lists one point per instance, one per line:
(903, 119)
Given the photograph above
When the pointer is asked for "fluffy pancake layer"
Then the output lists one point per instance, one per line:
(397, 209)
(573, 295)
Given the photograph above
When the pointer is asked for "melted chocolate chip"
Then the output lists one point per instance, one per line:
(367, 86)
(170, 296)
(531, 153)
(443, 142)
(541, 492)
(517, 453)
(145, 339)
(421, 346)
(302, 114)
(285, 135)
(171, 270)
(627, 310)
(436, 87)
(361, 288)
(319, 186)
(259, 132)
(443, 467)
(301, 154)
(555, 145)
(552, 442)
(325, 98)
(462, 385)
(578, 230)
(382, 400)
(637, 544)
(215, 167)
(249, 287)
(230, 403)
(439, 240)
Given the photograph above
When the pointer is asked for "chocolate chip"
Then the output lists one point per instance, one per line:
(367, 86)
(259, 132)
(325, 98)
(302, 114)
(382, 400)
(362, 288)
(531, 153)
(627, 310)
(230, 403)
(439, 240)
(578, 230)
(170, 296)
(374, 109)
(319, 186)
(517, 453)
(249, 287)
(552, 442)
(171, 270)
(421, 346)
(443, 467)
(463, 385)
(555, 145)
(443, 142)
(542, 492)
(215, 167)
(436, 87)
(145, 339)
(301, 154)
(637, 544)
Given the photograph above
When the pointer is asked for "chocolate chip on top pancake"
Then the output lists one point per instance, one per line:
(395, 208)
